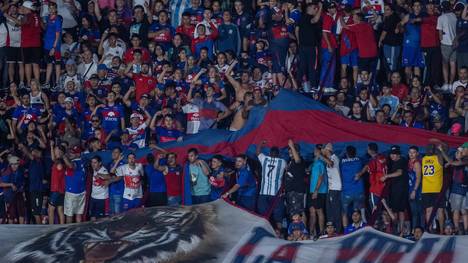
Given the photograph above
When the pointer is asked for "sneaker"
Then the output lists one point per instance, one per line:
(46, 86)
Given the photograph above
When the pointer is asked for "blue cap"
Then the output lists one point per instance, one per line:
(102, 67)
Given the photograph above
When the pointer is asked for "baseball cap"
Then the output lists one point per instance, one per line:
(459, 6)
(332, 5)
(69, 99)
(136, 115)
(330, 223)
(13, 160)
(146, 96)
(94, 76)
(395, 149)
(70, 62)
(465, 145)
(431, 2)
(28, 5)
(102, 67)
(75, 149)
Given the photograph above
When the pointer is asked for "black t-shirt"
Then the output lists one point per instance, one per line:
(400, 182)
(309, 34)
(389, 26)
(295, 176)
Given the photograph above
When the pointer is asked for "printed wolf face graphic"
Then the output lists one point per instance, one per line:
(146, 235)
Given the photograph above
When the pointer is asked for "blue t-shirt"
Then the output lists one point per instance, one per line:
(111, 116)
(36, 175)
(28, 114)
(412, 36)
(157, 183)
(317, 169)
(349, 168)
(351, 228)
(116, 188)
(75, 179)
(53, 26)
(247, 182)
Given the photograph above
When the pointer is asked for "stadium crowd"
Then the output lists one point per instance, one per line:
(81, 77)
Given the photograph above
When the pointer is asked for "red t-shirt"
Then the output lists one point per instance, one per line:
(31, 31)
(377, 169)
(143, 85)
(57, 182)
(400, 90)
(365, 40)
(348, 39)
(174, 181)
(128, 55)
(429, 33)
(329, 26)
(187, 31)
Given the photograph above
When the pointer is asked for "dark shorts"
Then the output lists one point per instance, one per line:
(13, 55)
(35, 200)
(31, 55)
(55, 59)
(265, 203)
(157, 199)
(435, 200)
(200, 199)
(398, 199)
(97, 207)
(294, 203)
(2, 208)
(56, 199)
(366, 64)
(16, 207)
(318, 203)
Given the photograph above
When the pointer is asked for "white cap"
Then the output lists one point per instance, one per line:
(69, 99)
(136, 115)
(29, 5)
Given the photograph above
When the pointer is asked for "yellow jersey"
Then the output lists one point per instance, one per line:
(432, 174)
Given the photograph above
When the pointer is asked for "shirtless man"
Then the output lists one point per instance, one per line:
(240, 87)
(241, 111)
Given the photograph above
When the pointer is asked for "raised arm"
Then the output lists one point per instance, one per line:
(295, 154)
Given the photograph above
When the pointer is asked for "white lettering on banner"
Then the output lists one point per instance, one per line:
(365, 245)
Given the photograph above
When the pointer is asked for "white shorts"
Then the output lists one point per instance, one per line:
(74, 204)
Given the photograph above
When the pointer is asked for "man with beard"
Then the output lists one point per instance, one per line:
(245, 185)
(398, 175)
(173, 177)
(99, 190)
(294, 181)
(144, 82)
(132, 173)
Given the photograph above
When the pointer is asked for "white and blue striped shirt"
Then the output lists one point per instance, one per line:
(272, 174)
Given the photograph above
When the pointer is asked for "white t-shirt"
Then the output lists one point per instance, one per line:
(458, 83)
(3, 35)
(132, 180)
(66, 11)
(99, 190)
(86, 70)
(138, 135)
(334, 178)
(14, 33)
(111, 52)
(193, 117)
(272, 174)
(447, 23)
